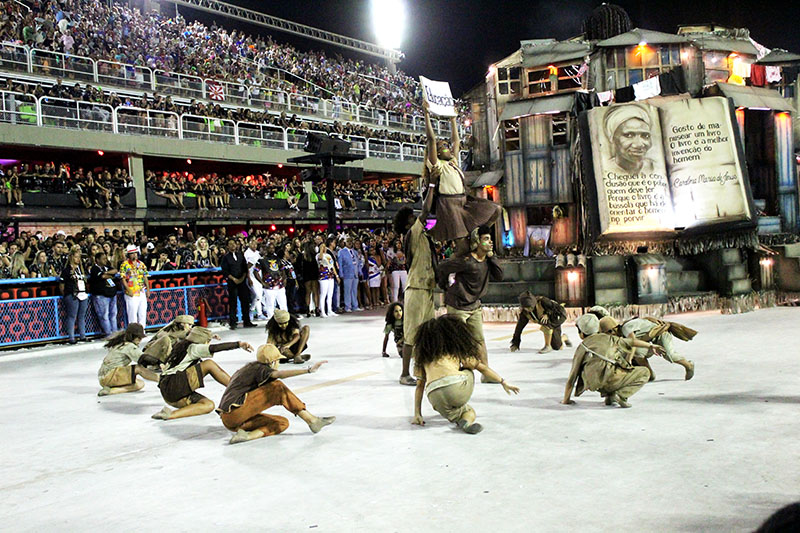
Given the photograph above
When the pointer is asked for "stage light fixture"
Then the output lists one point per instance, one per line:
(273, 227)
(280, 165)
(100, 152)
(388, 22)
(189, 161)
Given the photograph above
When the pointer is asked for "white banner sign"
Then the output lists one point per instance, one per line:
(440, 99)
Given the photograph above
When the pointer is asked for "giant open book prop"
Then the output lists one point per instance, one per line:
(664, 167)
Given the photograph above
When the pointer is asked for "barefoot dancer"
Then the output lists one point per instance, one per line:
(255, 388)
(118, 372)
(602, 363)
(184, 371)
(284, 331)
(545, 312)
(446, 355)
(658, 332)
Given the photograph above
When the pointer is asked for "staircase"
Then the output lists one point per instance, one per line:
(534, 275)
(727, 271)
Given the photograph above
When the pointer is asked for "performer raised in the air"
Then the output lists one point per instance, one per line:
(457, 214)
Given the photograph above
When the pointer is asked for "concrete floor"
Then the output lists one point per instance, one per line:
(718, 453)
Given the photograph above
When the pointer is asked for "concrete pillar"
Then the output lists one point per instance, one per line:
(136, 171)
(308, 188)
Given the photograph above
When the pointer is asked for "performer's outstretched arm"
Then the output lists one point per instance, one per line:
(433, 158)
(577, 361)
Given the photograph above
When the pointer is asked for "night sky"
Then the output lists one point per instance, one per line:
(457, 40)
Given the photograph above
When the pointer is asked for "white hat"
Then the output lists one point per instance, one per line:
(132, 248)
(588, 324)
(61, 232)
(150, 246)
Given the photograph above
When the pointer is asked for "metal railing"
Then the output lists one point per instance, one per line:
(199, 128)
(18, 108)
(57, 64)
(137, 121)
(22, 109)
(176, 84)
(63, 113)
(39, 319)
(19, 58)
(125, 75)
(265, 135)
(14, 57)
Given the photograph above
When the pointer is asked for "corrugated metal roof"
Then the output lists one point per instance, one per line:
(543, 53)
(725, 44)
(779, 57)
(536, 106)
(639, 35)
(755, 97)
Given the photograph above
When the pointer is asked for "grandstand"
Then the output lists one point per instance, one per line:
(148, 124)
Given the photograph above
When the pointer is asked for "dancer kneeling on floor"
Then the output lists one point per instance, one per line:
(446, 354)
(160, 346)
(118, 372)
(394, 324)
(284, 331)
(545, 312)
(658, 332)
(184, 370)
(254, 388)
(602, 363)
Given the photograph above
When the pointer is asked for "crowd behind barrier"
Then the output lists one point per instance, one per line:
(99, 187)
(93, 110)
(112, 44)
(215, 191)
(184, 271)
(103, 187)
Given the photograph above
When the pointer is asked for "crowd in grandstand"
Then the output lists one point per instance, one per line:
(113, 31)
(215, 191)
(99, 187)
(62, 94)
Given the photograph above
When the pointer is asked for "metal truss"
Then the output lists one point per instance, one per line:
(275, 23)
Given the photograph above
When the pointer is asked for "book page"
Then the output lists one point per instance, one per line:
(630, 174)
(705, 173)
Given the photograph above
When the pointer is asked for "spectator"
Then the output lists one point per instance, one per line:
(104, 293)
(235, 272)
(136, 285)
(76, 299)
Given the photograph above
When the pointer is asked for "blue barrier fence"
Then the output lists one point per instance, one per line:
(42, 319)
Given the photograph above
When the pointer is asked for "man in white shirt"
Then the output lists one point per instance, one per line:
(253, 256)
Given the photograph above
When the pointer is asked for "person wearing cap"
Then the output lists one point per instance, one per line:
(184, 370)
(446, 354)
(602, 363)
(235, 271)
(658, 332)
(255, 388)
(160, 346)
(119, 371)
(550, 315)
(136, 285)
(284, 332)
